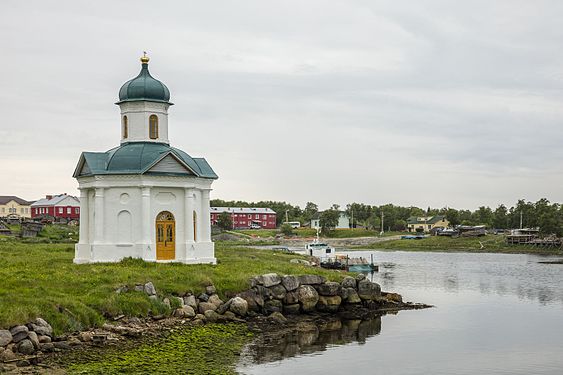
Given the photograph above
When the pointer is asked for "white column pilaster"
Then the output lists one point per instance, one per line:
(147, 225)
(189, 214)
(84, 218)
(99, 216)
(205, 220)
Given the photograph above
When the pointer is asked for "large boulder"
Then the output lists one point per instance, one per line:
(206, 306)
(273, 305)
(184, 312)
(368, 290)
(330, 288)
(32, 336)
(150, 289)
(26, 347)
(239, 306)
(253, 299)
(263, 292)
(5, 337)
(308, 297)
(278, 291)
(41, 327)
(329, 303)
(290, 282)
(350, 295)
(211, 316)
(191, 301)
(269, 279)
(311, 279)
(214, 299)
(291, 298)
(210, 289)
(19, 333)
(349, 282)
(291, 309)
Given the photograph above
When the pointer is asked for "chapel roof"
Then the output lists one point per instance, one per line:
(144, 87)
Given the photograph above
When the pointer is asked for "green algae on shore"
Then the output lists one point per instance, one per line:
(209, 349)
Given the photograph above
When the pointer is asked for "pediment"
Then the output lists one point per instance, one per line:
(169, 164)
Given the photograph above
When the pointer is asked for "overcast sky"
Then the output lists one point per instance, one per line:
(426, 103)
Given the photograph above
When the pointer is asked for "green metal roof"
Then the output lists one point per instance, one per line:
(144, 87)
(139, 158)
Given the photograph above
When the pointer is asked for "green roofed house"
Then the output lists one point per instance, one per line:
(144, 199)
(427, 223)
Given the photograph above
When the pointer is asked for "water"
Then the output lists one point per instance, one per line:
(495, 314)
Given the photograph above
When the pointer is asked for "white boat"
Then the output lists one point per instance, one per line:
(319, 249)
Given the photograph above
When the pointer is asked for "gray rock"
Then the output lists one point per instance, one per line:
(179, 300)
(311, 279)
(252, 282)
(19, 333)
(139, 288)
(253, 299)
(278, 291)
(23, 363)
(47, 347)
(32, 336)
(211, 316)
(329, 303)
(5, 337)
(44, 339)
(7, 355)
(330, 288)
(353, 296)
(25, 346)
(290, 282)
(368, 290)
(203, 297)
(191, 301)
(206, 306)
(184, 312)
(210, 289)
(150, 289)
(63, 345)
(85, 336)
(239, 306)
(214, 299)
(166, 301)
(291, 309)
(300, 261)
(349, 282)
(229, 315)
(224, 307)
(200, 316)
(263, 292)
(308, 297)
(153, 298)
(273, 305)
(360, 277)
(291, 298)
(41, 327)
(269, 279)
(277, 317)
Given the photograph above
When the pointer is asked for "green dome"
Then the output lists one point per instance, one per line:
(144, 87)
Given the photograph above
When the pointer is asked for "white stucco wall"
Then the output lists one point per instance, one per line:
(138, 114)
(118, 217)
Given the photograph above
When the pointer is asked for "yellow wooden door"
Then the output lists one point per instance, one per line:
(165, 240)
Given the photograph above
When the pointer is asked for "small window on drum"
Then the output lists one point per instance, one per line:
(125, 127)
(153, 127)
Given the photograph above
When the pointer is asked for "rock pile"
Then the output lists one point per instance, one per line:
(25, 339)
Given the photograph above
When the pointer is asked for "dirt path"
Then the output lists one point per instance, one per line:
(339, 242)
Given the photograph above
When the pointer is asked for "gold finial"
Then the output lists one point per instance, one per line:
(145, 59)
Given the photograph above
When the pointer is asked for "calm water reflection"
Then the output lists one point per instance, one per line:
(495, 314)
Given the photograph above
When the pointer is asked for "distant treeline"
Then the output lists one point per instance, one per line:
(543, 214)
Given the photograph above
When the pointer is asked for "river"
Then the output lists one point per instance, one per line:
(494, 314)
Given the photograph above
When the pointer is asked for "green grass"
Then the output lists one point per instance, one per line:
(491, 243)
(309, 232)
(210, 349)
(40, 280)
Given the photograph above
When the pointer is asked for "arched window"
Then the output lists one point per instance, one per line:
(125, 127)
(153, 127)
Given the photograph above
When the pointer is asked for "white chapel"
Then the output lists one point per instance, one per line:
(144, 198)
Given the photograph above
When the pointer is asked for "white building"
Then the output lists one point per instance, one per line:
(343, 221)
(144, 199)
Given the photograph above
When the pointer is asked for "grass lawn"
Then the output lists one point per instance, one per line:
(41, 280)
(491, 243)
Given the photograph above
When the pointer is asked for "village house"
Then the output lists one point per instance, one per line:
(427, 223)
(144, 199)
(62, 206)
(14, 207)
(246, 217)
(343, 221)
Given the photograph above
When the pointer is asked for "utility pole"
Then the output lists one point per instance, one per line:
(352, 219)
(520, 219)
(382, 216)
(286, 219)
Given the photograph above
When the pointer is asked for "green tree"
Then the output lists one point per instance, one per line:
(500, 217)
(328, 219)
(453, 216)
(224, 221)
(311, 209)
(286, 229)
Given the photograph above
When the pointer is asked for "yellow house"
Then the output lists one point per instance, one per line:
(427, 223)
(14, 207)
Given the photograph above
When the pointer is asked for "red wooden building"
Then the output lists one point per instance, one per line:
(56, 206)
(246, 217)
